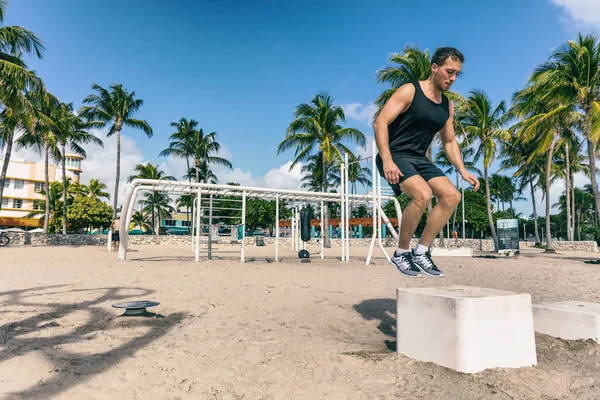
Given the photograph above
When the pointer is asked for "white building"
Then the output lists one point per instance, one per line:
(24, 181)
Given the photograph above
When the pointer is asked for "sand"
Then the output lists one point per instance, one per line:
(286, 330)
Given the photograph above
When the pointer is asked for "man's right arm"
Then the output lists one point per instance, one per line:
(398, 103)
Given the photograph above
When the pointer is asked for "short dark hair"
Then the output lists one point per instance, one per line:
(442, 53)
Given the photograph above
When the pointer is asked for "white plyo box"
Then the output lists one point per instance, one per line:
(452, 252)
(468, 329)
(571, 320)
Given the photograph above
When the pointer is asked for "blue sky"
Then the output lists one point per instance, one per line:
(240, 68)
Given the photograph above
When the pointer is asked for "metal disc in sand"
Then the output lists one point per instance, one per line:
(136, 307)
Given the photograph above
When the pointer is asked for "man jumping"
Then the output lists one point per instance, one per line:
(404, 131)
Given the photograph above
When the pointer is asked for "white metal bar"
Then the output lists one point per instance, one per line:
(292, 223)
(322, 231)
(379, 222)
(374, 203)
(198, 226)
(347, 218)
(342, 177)
(243, 225)
(277, 227)
(210, 226)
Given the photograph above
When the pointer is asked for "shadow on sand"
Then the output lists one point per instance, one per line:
(383, 310)
(70, 368)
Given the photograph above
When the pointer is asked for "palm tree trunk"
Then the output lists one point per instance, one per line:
(489, 206)
(116, 196)
(325, 229)
(9, 145)
(535, 222)
(549, 244)
(47, 186)
(592, 162)
(568, 193)
(64, 173)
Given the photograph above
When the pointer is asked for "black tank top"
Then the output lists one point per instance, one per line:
(412, 132)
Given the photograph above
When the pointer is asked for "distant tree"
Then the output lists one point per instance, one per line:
(114, 107)
(89, 212)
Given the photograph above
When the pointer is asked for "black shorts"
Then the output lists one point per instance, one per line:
(410, 166)
(115, 237)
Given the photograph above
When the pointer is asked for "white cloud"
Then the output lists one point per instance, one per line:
(276, 178)
(358, 112)
(581, 13)
(100, 162)
(362, 152)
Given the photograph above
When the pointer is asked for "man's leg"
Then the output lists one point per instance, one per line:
(448, 198)
(420, 193)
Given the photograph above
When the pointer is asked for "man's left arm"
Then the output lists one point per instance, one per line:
(452, 150)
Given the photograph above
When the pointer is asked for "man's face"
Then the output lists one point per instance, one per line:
(445, 75)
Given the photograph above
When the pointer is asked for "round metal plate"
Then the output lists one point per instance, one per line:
(136, 307)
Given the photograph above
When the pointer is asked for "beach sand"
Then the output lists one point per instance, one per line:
(282, 330)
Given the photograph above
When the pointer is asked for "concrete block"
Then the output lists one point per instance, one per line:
(572, 320)
(468, 329)
(452, 252)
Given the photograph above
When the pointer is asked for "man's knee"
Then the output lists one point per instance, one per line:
(421, 196)
(450, 197)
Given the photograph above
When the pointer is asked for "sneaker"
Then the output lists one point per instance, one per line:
(403, 263)
(425, 264)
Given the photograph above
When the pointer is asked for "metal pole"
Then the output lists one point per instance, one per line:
(293, 222)
(463, 208)
(277, 227)
(347, 217)
(374, 204)
(341, 225)
(210, 218)
(198, 226)
(243, 224)
(322, 230)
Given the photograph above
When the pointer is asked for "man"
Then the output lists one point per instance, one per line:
(404, 131)
(114, 226)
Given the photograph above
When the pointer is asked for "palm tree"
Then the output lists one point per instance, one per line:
(55, 194)
(70, 130)
(203, 174)
(42, 135)
(485, 123)
(181, 148)
(546, 118)
(158, 205)
(95, 189)
(141, 220)
(515, 154)
(149, 171)
(191, 143)
(187, 201)
(570, 161)
(467, 152)
(316, 128)
(573, 76)
(115, 108)
(313, 174)
(15, 80)
(412, 65)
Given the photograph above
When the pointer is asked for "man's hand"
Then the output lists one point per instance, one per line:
(392, 172)
(470, 178)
